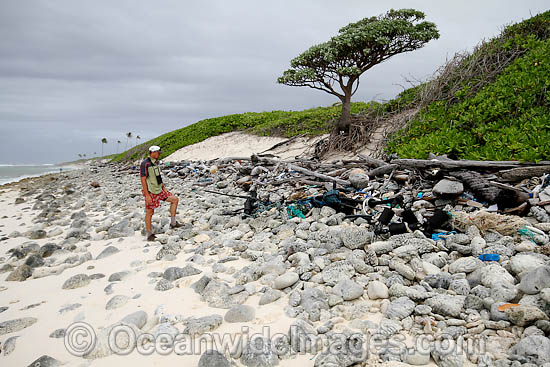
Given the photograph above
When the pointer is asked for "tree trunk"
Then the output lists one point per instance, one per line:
(345, 119)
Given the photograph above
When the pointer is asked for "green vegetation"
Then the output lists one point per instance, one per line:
(315, 121)
(507, 118)
(336, 66)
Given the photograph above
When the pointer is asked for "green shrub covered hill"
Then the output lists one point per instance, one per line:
(489, 116)
(490, 104)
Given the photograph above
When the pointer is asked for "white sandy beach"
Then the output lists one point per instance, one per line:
(41, 296)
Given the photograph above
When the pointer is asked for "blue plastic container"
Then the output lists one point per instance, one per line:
(489, 257)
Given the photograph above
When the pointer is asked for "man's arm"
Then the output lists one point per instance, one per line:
(145, 190)
(144, 187)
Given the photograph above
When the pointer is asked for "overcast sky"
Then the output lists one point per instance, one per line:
(73, 72)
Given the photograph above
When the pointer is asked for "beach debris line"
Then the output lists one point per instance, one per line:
(356, 185)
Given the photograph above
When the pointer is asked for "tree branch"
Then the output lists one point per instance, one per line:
(356, 87)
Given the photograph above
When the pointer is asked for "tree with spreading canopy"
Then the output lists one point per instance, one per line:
(357, 48)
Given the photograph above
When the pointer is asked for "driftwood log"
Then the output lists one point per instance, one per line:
(293, 167)
(521, 173)
(372, 162)
(382, 170)
(450, 164)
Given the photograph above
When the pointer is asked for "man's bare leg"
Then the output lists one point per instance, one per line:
(173, 200)
(148, 226)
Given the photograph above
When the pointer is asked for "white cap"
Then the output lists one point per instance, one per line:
(154, 148)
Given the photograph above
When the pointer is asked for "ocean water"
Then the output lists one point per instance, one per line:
(12, 173)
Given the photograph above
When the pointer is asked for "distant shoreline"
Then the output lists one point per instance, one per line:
(55, 169)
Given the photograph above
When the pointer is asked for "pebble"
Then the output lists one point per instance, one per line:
(108, 251)
(533, 349)
(535, 280)
(163, 285)
(20, 273)
(270, 296)
(465, 265)
(119, 276)
(446, 304)
(116, 302)
(348, 289)
(448, 188)
(138, 318)
(285, 280)
(9, 345)
(45, 361)
(58, 333)
(356, 237)
(337, 271)
(14, 325)
(400, 308)
(259, 353)
(213, 358)
(523, 315)
(76, 281)
(201, 325)
(240, 313)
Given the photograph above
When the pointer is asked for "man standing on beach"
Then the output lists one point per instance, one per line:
(154, 191)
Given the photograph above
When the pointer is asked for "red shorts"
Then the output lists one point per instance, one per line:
(156, 198)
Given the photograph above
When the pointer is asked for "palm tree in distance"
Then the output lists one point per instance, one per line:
(137, 138)
(103, 141)
(117, 145)
(128, 136)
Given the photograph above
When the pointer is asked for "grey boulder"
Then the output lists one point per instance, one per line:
(108, 251)
(400, 308)
(532, 349)
(535, 280)
(348, 289)
(337, 271)
(447, 187)
(201, 325)
(285, 280)
(213, 358)
(240, 313)
(12, 326)
(76, 281)
(356, 237)
(45, 361)
(270, 296)
(259, 353)
(446, 305)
